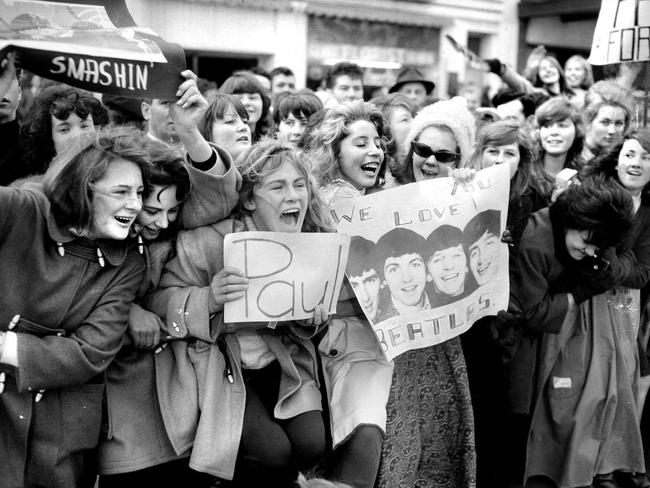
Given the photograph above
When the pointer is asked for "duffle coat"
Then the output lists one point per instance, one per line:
(202, 409)
(135, 436)
(356, 372)
(73, 311)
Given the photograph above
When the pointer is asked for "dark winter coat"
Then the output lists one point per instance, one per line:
(73, 315)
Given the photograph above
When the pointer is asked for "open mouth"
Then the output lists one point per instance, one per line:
(243, 139)
(633, 172)
(430, 170)
(290, 216)
(126, 221)
(370, 168)
(481, 270)
(450, 277)
(410, 289)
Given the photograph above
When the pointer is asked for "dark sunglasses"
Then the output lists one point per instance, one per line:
(425, 151)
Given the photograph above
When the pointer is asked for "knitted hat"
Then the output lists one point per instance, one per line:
(452, 114)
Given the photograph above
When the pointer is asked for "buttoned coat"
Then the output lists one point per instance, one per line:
(202, 409)
(135, 436)
(73, 312)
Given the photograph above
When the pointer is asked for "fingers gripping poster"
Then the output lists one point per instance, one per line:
(289, 274)
(426, 259)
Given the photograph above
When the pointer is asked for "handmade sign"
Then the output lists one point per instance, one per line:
(622, 33)
(289, 274)
(90, 44)
(426, 259)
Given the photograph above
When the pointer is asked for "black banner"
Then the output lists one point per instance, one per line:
(90, 44)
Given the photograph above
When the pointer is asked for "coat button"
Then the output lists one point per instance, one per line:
(334, 353)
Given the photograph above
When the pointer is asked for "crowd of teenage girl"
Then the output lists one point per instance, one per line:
(117, 368)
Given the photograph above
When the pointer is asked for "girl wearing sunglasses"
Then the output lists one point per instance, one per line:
(440, 138)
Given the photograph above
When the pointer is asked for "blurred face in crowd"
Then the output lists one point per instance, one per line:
(473, 97)
(447, 268)
(68, 130)
(577, 244)
(159, 119)
(159, 210)
(575, 73)
(232, 133)
(253, 103)
(347, 89)
(557, 137)
(9, 102)
(283, 83)
(513, 111)
(116, 200)
(415, 91)
(433, 153)
(607, 128)
(400, 121)
(506, 154)
(406, 277)
(279, 203)
(264, 81)
(361, 155)
(291, 128)
(484, 258)
(547, 72)
(633, 166)
(366, 287)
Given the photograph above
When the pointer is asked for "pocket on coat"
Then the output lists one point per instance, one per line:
(81, 418)
(565, 384)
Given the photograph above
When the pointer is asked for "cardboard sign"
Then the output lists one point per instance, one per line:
(90, 44)
(289, 273)
(426, 259)
(622, 33)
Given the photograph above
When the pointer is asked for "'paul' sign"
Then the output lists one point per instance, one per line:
(289, 274)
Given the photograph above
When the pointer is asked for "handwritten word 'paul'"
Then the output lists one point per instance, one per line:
(275, 297)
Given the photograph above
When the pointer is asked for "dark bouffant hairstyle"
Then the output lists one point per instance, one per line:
(166, 169)
(397, 242)
(217, 109)
(486, 221)
(302, 105)
(59, 101)
(245, 82)
(599, 205)
(442, 238)
(362, 256)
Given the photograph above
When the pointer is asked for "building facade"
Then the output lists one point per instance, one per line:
(382, 36)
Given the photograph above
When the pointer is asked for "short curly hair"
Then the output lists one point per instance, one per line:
(55, 101)
(336, 127)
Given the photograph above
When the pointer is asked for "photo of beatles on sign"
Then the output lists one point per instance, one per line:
(426, 264)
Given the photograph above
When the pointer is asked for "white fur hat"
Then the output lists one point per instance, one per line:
(448, 113)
